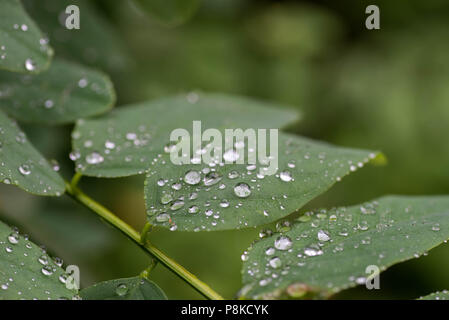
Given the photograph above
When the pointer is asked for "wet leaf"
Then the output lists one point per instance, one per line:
(23, 48)
(440, 295)
(127, 140)
(135, 288)
(201, 197)
(328, 251)
(170, 12)
(27, 272)
(63, 94)
(22, 165)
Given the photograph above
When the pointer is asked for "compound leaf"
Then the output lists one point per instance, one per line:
(62, 94)
(328, 251)
(23, 48)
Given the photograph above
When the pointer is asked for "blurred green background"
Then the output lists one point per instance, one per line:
(384, 89)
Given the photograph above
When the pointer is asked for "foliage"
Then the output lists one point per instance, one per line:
(312, 254)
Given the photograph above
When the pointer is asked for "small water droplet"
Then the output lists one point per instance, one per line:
(94, 158)
(30, 65)
(121, 290)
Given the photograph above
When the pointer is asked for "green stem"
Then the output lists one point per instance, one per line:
(132, 234)
(75, 180)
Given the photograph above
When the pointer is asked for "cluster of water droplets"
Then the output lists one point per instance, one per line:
(282, 257)
(28, 268)
(28, 173)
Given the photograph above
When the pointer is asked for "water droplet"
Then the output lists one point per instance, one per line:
(286, 176)
(242, 190)
(43, 259)
(109, 145)
(436, 227)
(94, 158)
(121, 290)
(48, 104)
(212, 178)
(312, 252)
(224, 203)
(178, 204)
(275, 262)
(323, 235)
(47, 271)
(283, 243)
(82, 83)
(192, 177)
(270, 251)
(233, 175)
(13, 238)
(163, 217)
(25, 169)
(193, 209)
(30, 65)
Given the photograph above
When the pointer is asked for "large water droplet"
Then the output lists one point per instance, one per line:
(283, 243)
(192, 177)
(242, 190)
(285, 176)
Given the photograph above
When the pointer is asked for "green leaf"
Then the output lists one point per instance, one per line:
(62, 94)
(135, 288)
(440, 295)
(27, 272)
(170, 12)
(96, 42)
(22, 46)
(22, 165)
(307, 169)
(125, 141)
(328, 251)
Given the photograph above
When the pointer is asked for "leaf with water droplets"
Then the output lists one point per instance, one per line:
(23, 48)
(128, 140)
(332, 250)
(63, 94)
(440, 295)
(235, 196)
(22, 165)
(135, 288)
(170, 12)
(28, 272)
